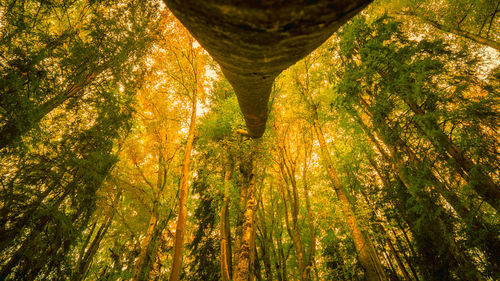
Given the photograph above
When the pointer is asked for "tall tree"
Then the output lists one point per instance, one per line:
(190, 77)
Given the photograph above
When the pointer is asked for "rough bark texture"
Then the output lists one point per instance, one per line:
(253, 41)
(244, 267)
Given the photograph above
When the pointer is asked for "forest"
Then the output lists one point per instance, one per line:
(160, 140)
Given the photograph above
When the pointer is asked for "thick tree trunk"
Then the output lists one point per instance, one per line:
(183, 191)
(366, 251)
(225, 243)
(254, 41)
(247, 244)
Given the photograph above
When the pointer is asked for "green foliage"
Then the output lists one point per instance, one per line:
(68, 81)
(205, 246)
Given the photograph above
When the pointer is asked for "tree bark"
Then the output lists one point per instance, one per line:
(247, 244)
(367, 254)
(254, 42)
(225, 243)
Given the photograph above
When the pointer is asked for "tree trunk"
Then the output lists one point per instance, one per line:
(395, 254)
(253, 45)
(293, 230)
(451, 245)
(265, 238)
(311, 263)
(183, 191)
(288, 168)
(476, 224)
(367, 254)
(17, 127)
(247, 244)
(239, 226)
(225, 243)
(85, 261)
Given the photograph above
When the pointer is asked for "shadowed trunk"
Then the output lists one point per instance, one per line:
(254, 41)
(225, 243)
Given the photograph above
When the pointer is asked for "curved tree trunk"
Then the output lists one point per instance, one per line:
(254, 41)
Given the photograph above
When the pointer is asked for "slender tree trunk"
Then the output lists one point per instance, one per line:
(266, 259)
(180, 229)
(265, 238)
(294, 231)
(311, 263)
(367, 254)
(239, 226)
(225, 243)
(451, 245)
(385, 234)
(84, 263)
(475, 223)
(17, 256)
(407, 258)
